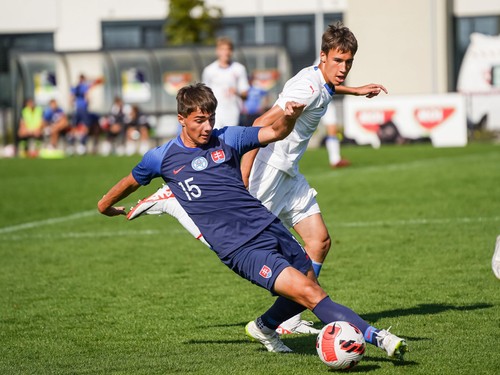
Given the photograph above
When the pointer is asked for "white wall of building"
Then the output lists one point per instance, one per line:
(76, 24)
(402, 46)
(469, 8)
(234, 8)
(25, 16)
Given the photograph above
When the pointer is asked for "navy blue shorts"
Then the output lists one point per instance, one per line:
(262, 259)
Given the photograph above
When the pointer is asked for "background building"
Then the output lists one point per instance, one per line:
(412, 47)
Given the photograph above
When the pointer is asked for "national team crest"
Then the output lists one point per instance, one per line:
(265, 272)
(218, 156)
(199, 164)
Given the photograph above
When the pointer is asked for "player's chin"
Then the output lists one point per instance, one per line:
(339, 80)
(203, 140)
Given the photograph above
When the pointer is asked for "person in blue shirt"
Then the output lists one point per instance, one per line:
(84, 122)
(80, 98)
(255, 103)
(56, 121)
(202, 166)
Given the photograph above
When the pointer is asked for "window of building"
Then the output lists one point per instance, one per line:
(25, 42)
(464, 27)
(296, 33)
(133, 34)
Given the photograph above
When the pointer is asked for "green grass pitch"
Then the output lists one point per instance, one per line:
(413, 233)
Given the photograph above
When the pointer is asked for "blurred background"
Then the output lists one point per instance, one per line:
(439, 59)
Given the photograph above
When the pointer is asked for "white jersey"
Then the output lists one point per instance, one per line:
(330, 116)
(226, 83)
(308, 87)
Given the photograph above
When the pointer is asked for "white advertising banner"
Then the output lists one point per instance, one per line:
(403, 119)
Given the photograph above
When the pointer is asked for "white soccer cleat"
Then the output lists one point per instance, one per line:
(267, 337)
(395, 346)
(155, 204)
(495, 261)
(297, 327)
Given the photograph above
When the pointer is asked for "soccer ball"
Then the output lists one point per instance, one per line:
(340, 345)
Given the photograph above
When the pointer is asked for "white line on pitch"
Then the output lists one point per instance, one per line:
(76, 235)
(457, 220)
(179, 230)
(55, 220)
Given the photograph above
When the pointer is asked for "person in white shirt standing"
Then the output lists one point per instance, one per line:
(228, 80)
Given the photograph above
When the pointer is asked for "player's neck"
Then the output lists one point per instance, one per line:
(224, 64)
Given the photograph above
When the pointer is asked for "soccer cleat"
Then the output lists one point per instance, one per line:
(267, 337)
(342, 163)
(495, 261)
(152, 205)
(395, 346)
(297, 326)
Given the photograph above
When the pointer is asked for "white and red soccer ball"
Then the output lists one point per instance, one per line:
(341, 345)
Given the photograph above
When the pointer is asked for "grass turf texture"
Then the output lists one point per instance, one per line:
(413, 234)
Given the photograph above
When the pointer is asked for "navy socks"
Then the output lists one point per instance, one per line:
(282, 309)
(328, 311)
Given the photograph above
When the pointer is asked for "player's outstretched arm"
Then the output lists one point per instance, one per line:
(269, 117)
(370, 90)
(122, 189)
(283, 126)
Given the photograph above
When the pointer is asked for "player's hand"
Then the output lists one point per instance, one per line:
(114, 211)
(293, 110)
(246, 181)
(371, 90)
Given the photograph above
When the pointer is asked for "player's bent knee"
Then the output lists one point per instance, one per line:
(308, 293)
(318, 248)
(312, 295)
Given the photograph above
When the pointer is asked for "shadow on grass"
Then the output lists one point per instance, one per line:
(220, 341)
(240, 324)
(423, 309)
(306, 344)
(363, 366)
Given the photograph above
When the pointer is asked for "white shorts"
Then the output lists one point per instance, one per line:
(289, 198)
(330, 116)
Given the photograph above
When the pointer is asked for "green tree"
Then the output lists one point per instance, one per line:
(191, 22)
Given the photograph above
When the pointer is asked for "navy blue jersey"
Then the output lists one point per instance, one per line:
(52, 115)
(79, 91)
(207, 183)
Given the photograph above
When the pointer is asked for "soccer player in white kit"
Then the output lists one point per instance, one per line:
(272, 174)
(228, 80)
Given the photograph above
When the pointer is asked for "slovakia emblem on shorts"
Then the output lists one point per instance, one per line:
(199, 164)
(265, 272)
(218, 156)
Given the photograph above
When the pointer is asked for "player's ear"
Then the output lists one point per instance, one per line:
(322, 57)
(180, 118)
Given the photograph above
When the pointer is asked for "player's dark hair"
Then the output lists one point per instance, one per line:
(192, 97)
(338, 36)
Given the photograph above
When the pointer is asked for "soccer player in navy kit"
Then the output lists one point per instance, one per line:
(202, 166)
(272, 174)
